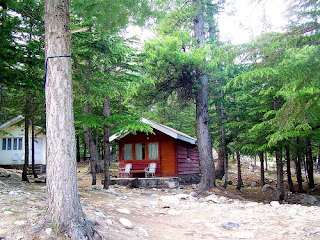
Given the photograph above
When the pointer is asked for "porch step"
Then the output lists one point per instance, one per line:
(39, 168)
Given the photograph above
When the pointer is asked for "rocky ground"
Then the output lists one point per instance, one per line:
(123, 213)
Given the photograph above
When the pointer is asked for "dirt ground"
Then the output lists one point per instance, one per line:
(180, 213)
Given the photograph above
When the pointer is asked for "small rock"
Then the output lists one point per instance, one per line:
(95, 187)
(109, 222)
(143, 231)
(111, 191)
(183, 196)
(172, 184)
(230, 183)
(194, 186)
(230, 225)
(223, 199)
(48, 231)
(212, 198)
(6, 208)
(20, 223)
(123, 210)
(8, 212)
(126, 223)
(174, 212)
(36, 229)
(13, 193)
(194, 194)
(3, 173)
(100, 214)
(308, 199)
(170, 200)
(116, 186)
(254, 184)
(267, 187)
(274, 203)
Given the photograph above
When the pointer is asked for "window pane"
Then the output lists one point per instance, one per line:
(140, 151)
(9, 144)
(15, 143)
(153, 152)
(127, 152)
(188, 152)
(20, 144)
(4, 144)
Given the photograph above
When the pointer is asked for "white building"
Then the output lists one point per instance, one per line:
(12, 143)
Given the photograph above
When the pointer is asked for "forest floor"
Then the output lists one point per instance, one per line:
(124, 213)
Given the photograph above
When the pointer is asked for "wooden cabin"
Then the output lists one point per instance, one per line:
(174, 152)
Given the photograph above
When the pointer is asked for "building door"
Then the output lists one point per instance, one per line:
(168, 167)
(38, 155)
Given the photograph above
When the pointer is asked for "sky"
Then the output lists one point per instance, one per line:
(242, 20)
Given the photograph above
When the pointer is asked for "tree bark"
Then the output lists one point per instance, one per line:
(26, 140)
(280, 185)
(92, 147)
(262, 181)
(106, 145)
(202, 109)
(309, 164)
(226, 170)
(64, 208)
(239, 184)
(290, 183)
(35, 175)
(266, 160)
(298, 167)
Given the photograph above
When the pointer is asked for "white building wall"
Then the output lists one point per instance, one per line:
(9, 157)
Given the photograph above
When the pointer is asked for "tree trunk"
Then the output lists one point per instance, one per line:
(239, 184)
(106, 145)
(64, 208)
(318, 163)
(226, 170)
(262, 181)
(202, 109)
(266, 160)
(298, 167)
(78, 149)
(35, 175)
(280, 185)
(26, 140)
(309, 164)
(92, 147)
(290, 183)
(84, 151)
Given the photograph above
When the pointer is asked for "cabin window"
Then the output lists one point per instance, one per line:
(188, 153)
(4, 144)
(153, 151)
(140, 151)
(9, 147)
(127, 152)
(20, 144)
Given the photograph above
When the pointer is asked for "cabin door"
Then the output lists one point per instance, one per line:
(168, 167)
(38, 151)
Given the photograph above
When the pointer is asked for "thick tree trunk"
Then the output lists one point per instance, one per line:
(92, 147)
(239, 184)
(309, 164)
(35, 175)
(26, 140)
(220, 163)
(290, 183)
(64, 208)
(202, 109)
(280, 185)
(262, 181)
(298, 167)
(106, 145)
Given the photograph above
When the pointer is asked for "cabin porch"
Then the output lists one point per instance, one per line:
(155, 182)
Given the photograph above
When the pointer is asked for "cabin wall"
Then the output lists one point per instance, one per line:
(187, 166)
(16, 157)
(141, 137)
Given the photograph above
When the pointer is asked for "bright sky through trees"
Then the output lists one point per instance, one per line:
(243, 20)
